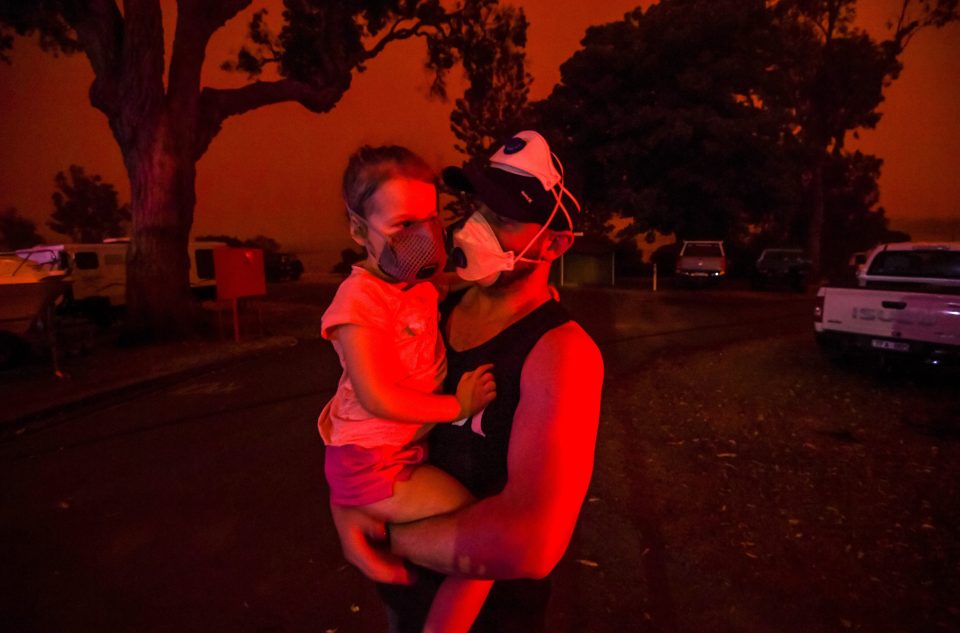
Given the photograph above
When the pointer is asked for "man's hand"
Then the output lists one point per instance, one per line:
(358, 531)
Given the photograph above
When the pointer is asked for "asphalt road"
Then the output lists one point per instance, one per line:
(201, 506)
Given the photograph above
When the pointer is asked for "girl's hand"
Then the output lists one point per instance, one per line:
(476, 390)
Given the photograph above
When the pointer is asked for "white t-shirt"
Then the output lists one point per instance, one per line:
(410, 318)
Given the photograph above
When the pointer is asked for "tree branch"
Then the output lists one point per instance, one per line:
(99, 27)
(197, 21)
(393, 35)
(217, 105)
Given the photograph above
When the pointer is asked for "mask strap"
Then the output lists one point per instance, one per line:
(557, 190)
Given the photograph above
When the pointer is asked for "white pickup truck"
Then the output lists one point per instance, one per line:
(907, 302)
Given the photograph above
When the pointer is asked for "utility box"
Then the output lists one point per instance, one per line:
(239, 272)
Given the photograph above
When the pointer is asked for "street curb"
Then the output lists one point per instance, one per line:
(134, 385)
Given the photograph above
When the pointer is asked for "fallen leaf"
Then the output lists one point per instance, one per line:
(588, 563)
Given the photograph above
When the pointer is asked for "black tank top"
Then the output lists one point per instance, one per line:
(479, 461)
(476, 451)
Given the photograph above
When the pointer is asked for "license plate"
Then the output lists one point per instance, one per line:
(698, 274)
(890, 345)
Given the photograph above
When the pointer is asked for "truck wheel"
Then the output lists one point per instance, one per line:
(13, 350)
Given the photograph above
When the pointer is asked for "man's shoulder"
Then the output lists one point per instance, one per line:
(565, 345)
(569, 333)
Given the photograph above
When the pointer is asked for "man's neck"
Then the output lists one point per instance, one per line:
(483, 313)
(514, 301)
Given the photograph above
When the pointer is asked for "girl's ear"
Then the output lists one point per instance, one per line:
(358, 230)
(557, 245)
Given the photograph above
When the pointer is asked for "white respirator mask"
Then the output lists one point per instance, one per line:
(477, 252)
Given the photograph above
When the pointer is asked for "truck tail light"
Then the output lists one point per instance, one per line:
(818, 310)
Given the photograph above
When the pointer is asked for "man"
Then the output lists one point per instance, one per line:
(528, 456)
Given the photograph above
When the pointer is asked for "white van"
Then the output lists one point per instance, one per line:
(99, 271)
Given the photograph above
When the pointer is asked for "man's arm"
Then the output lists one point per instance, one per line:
(523, 531)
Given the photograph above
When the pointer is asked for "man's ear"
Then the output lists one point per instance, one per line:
(558, 244)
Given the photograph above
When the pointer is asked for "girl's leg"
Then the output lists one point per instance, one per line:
(456, 605)
(430, 491)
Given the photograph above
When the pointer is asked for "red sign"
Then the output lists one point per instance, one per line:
(239, 272)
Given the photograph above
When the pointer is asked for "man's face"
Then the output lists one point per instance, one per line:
(513, 235)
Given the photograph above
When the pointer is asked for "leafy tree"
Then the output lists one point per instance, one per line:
(17, 231)
(835, 75)
(851, 210)
(86, 208)
(718, 118)
(163, 130)
(491, 108)
(660, 112)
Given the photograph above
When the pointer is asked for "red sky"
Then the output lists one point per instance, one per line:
(276, 170)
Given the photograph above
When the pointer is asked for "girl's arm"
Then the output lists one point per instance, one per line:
(375, 371)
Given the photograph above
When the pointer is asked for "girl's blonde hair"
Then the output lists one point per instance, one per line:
(370, 167)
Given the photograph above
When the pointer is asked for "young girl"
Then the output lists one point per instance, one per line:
(383, 324)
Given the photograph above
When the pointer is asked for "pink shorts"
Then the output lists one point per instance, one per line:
(359, 476)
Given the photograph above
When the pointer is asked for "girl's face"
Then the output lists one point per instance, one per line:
(400, 203)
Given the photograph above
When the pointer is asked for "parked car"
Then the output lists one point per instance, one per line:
(782, 266)
(282, 266)
(906, 302)
(701, 261)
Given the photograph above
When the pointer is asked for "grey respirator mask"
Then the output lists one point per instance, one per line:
(412, 254)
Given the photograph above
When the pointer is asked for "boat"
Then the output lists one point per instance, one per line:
(27, 289)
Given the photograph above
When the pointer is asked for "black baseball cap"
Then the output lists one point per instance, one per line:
(520, 181)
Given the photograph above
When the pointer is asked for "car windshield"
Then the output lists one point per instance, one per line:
(702, 250)
(920, 263)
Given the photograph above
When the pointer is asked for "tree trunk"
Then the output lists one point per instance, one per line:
(162, 181)
(815, 230)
